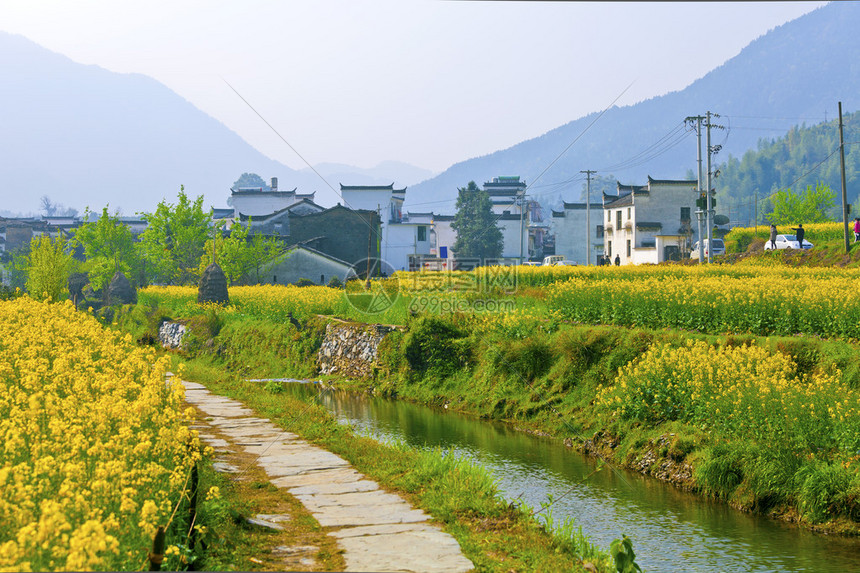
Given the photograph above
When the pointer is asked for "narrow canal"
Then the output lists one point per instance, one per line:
(671, 530)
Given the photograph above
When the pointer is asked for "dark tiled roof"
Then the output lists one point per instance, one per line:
(371, 188)
(611, 202)
(558, 214)
(443, 217)
(261, 191)
(575, 206)
(649, 225)
(672, 181)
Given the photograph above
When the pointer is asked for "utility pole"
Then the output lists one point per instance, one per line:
(588, 173)
(710, 211)
(698, 127)
(844, 191)
(522, 220)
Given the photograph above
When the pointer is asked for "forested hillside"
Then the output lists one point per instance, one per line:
(796, 72)
(804, 156)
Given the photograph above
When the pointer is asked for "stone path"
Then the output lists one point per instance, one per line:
(377, 530)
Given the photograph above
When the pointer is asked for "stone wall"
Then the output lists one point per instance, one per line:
(170, 335)
(349, 349)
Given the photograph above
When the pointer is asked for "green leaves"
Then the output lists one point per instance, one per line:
(621, 551)
(108, 246)
(174, 240)
(478, 235)
(809, 207)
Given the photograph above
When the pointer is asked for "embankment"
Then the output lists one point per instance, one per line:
(755, 438)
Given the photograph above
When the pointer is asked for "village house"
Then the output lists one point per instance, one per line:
(405, 239)
(571, 236)
(649, 223)
(258, 201)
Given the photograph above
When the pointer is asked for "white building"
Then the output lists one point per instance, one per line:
(258, 201)
(649, 223)
(405, 239)
(571, 238)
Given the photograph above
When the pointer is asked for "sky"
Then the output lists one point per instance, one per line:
(429, 83)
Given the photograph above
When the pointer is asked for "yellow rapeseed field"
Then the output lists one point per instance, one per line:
(96, 448)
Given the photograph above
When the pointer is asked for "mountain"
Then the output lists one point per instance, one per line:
(401, 174)
(796, 70)
(803, 157)
(88, 137)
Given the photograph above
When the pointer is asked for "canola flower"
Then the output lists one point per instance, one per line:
(756, 300)
(96, 447)
(743, 391)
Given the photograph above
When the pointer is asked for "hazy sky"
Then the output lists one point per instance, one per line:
(430, 83)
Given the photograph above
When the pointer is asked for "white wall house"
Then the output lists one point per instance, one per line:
(649, 223)
(259, 201)
(571, 238)
(404, 237)
(442, 237)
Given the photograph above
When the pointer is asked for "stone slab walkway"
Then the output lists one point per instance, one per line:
(377, 530)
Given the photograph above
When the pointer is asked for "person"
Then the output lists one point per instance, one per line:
(856, 229)
(617, 260)
(773, 236)
(799, 232)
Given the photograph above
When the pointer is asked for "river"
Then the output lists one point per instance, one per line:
(671, 530)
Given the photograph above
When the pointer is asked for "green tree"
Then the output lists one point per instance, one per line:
(478, 234)
(48, 268)
(175, 240)
(809, 207)
(240, 255)
(108, 246)
(250, 180)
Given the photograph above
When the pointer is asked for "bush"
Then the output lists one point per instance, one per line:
(303, 282)
(434, 345)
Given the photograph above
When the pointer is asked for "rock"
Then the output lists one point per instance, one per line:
(170, 335)
(76, 284)
(213, 286)
(350, 349)
(120, 291)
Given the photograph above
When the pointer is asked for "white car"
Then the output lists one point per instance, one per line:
(787, 242)
(550, 260)
(565, 263)
(719, 249)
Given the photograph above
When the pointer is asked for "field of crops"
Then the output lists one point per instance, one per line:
(97, 449)
(760, 300)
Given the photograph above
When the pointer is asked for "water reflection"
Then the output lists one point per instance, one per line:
(671, 530)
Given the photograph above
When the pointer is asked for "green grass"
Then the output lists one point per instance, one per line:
(461, 496)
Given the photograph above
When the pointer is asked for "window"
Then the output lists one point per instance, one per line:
(598, 232)
(618, 219)
(422, 233)
(609, 248)
(609, 216)
(685, 214)
(628, 248)
(628, 213)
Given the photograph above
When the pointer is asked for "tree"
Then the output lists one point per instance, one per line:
(478, 235)
(174, 240)
(238, 256)
(48, 268)
(108, 246)
(52, 209)
(250, 180)
(810, 207)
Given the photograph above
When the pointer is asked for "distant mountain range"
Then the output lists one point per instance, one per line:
(88, 137)
(793, 72)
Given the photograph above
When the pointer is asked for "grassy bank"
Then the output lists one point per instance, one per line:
(462, 497)
(717, 378)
